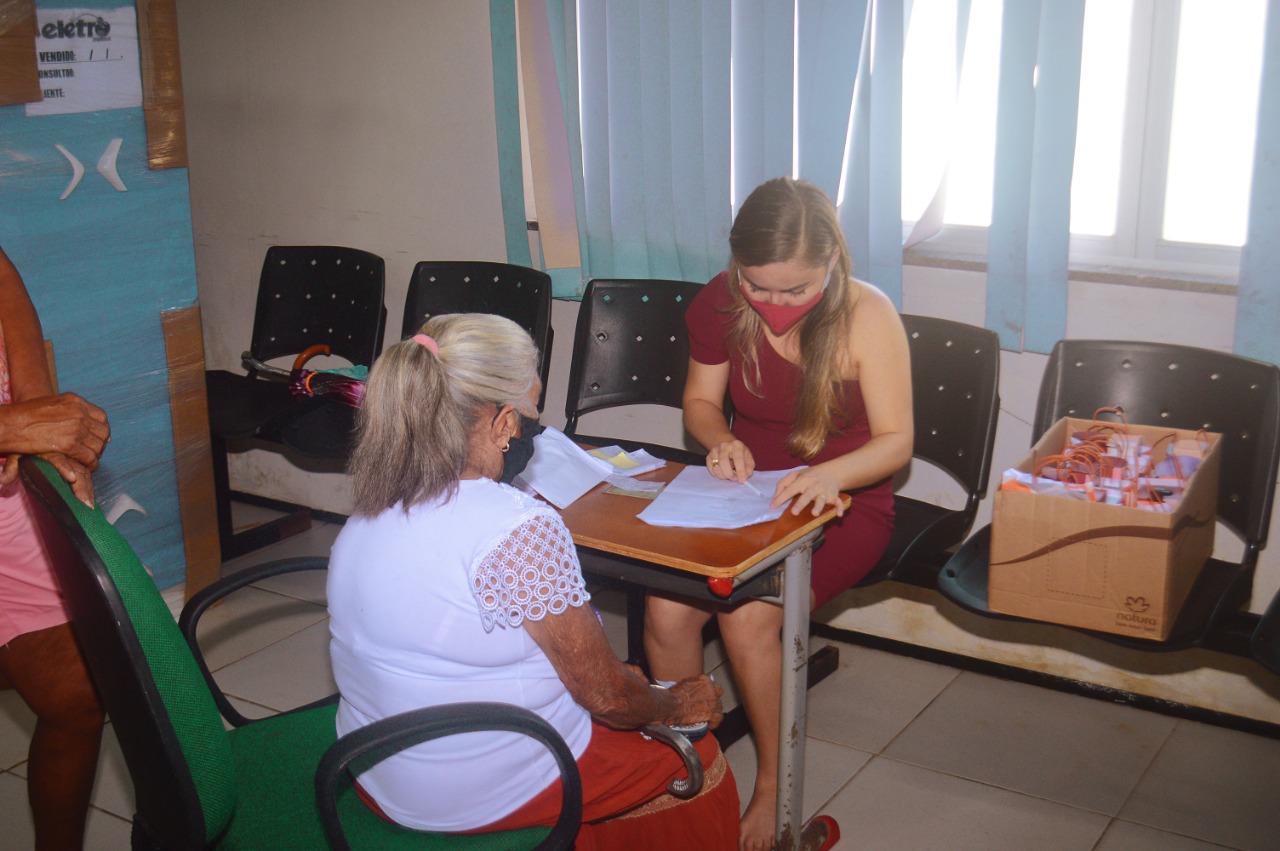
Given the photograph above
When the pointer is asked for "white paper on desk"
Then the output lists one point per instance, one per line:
(626, 463)
(697, 500)
(560, 470)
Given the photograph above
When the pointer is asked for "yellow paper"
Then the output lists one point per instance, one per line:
(622, 460)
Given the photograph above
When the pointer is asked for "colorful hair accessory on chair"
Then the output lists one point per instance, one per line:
(428, 343)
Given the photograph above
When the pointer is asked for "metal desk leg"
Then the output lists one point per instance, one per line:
(795, 659)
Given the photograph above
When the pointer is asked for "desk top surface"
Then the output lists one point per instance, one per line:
(607, 522)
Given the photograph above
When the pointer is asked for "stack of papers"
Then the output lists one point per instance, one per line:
(560, 470)
(628, 463)
(697, 500)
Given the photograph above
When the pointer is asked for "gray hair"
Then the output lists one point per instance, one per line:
(414, 425)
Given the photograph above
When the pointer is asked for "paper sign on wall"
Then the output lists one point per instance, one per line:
(87, 60)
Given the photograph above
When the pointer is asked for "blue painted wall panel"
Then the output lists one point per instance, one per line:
(101, 266)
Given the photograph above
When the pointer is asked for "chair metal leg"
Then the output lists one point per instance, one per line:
(222, 492)
(231, 543)
(635, 627)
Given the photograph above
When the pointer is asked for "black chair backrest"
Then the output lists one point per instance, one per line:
(123, 629)
(1183, 387)
(313, 294)
(955, 377)
(630, 347)
(521, 294)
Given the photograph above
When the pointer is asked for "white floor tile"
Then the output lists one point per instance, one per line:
(1214, 784)
(1126, 836)
(103, 832)
(1062, 747)
(316, 541)
(872, 696)
(15, 813)
(892, 806)
(16, 726)
(306, 585)
(112, 786)
(106, 832)
(249, 620)
(245, 516)
(249, 709)
(287, 674)
(827, 768)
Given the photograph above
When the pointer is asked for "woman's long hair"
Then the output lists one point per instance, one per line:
(414, 425)
(783, 220)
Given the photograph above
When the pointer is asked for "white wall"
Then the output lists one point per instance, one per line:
(329, 122)
(372, 125)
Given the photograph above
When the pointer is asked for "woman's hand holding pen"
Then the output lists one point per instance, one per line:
(731, 460)
(813, 485)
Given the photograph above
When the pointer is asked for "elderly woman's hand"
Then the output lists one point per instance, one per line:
(697, 700)
(65, 424)
(73, 473)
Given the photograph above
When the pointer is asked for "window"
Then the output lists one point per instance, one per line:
(1215, 100)
(1164, 144)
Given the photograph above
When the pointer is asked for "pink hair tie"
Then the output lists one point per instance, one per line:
(427, 343)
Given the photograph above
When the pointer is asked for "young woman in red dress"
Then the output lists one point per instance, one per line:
(817, 367)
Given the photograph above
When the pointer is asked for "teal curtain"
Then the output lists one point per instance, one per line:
(676, 109)
(506, 109)
(655, 138)
(1029, 236)
(1258, 302)
(871, 212)
(763, 57)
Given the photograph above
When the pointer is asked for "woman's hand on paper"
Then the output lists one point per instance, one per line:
(817, 486)
(731, 460)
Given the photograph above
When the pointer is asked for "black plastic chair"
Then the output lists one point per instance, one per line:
(955, 384)
(1182, 387)
(1265, 642)
(520, 294)
(630, 348)
(279, 782)
(307, 295)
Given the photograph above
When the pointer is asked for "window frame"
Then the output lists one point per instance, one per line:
(1137, 246)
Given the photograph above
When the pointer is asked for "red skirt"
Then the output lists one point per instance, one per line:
(625, 803)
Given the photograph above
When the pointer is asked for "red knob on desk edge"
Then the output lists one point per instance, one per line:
(721, 586)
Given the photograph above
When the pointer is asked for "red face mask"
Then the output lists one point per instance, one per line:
(781, 317)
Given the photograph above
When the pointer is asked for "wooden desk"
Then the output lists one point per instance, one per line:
(727, 557)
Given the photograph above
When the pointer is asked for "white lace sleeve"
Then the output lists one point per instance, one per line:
(531, 573)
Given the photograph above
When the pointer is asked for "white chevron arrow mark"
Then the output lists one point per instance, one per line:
(77, 172)
(107, 165)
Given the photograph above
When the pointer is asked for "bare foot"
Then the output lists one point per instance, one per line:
(755, 832)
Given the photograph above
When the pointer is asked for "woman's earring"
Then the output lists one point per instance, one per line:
(507, 446)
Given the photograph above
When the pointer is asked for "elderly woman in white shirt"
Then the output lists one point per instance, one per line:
(447, 586)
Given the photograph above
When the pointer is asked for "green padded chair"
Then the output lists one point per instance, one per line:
(256, 786)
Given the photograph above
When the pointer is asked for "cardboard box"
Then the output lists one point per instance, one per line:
(1101, 567)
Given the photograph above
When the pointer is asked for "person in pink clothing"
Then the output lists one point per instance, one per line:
(818, 368)
(38, 653)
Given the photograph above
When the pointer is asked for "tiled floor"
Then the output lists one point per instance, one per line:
(904, 754)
